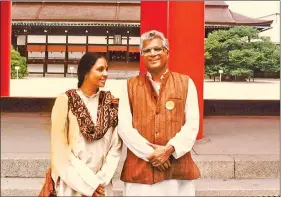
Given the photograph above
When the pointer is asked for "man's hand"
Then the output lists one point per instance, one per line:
(160, 155)
(99, 191)
(164, 166)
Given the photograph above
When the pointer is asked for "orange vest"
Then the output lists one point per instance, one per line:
(158, 125)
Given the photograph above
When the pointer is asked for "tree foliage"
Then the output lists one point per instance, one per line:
(18, 60)
(240, 51)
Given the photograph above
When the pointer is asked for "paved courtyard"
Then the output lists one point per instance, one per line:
(51, 86)
(221, 135)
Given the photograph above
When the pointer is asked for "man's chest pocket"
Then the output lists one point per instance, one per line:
(174, 109)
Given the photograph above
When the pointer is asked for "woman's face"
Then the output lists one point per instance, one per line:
(98, 74)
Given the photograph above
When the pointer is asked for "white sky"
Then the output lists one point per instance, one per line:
(254, 9)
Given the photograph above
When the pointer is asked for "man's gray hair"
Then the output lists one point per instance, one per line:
(151, 35)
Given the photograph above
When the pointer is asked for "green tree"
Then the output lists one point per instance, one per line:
(18, 60)
(240, 51)
(269, 55)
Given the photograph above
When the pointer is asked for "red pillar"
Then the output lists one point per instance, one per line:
(182, 22)
(153, 17)
(5, 17)
(186, 35)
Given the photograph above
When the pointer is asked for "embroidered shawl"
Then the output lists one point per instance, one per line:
(107, 114)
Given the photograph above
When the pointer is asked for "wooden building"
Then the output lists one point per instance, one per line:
(54, 35)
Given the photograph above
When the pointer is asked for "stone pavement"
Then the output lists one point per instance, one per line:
(51, 86)
(238, 156)
(21, 132)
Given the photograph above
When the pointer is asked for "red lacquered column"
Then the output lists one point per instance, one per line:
(186, 35)
(5, 47)
(153, 17)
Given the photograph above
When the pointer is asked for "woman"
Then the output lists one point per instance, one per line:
(85, 147)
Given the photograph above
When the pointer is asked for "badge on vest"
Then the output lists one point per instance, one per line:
(170, 105)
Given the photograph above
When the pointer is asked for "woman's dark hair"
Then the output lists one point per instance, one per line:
(85, 64)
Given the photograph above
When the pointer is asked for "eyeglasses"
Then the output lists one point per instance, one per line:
(157, 50)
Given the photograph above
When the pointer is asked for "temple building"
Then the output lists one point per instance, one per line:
(274, 32)
(54, 35)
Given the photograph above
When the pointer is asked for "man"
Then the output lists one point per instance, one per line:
(159, 122)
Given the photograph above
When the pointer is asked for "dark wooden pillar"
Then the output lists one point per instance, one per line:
(14, 39)
(66, 55)
(128, 45)
(45, 65)
(26, 42)
(87, 41)
(107, 45)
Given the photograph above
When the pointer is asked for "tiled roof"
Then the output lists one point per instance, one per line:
(216, 13)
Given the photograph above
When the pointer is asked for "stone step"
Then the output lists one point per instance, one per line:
(207, 187)
(211, 166)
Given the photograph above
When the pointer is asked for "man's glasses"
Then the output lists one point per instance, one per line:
(148, 51)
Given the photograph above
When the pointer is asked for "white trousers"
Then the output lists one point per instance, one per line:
(164, 188)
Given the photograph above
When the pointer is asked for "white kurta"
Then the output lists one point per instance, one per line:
(183, 142)
(81, 165)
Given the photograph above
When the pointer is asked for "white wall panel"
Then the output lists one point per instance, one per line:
(111, 41)
(97, 40)
(36, 55)
(77, 39)
(21, 40)
(35, 67)
(134, 40)
(124, 41)
(55, 68)
(56, 39)
(75, 55)
(36, 39)
(74, 68)
(57, 55)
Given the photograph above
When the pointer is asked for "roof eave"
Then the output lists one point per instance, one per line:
(76, 23)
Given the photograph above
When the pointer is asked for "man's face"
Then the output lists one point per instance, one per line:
(155, 55)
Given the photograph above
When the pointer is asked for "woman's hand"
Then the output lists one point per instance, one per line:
(99, 191)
